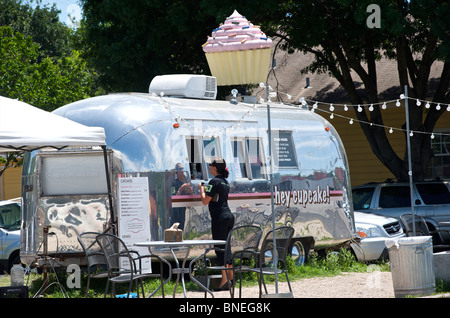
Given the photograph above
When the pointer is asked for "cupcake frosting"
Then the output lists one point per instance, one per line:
(236, 34)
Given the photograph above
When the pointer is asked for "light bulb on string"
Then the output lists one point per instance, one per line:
(303, 101)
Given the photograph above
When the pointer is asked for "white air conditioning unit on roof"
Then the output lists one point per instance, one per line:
(185, 85)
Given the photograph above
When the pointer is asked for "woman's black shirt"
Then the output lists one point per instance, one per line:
(218, 189)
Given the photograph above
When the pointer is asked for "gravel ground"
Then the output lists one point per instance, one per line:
(348, 285)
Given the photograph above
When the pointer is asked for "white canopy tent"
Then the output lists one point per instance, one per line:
(26, 128)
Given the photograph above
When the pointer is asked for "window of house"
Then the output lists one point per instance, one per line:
(439, 165)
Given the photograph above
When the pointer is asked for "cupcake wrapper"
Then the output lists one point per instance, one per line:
(239, 67)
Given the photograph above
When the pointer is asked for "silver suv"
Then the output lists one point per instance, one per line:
(431, 201)
(10, 219)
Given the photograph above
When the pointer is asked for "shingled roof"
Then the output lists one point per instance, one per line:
(287, 78)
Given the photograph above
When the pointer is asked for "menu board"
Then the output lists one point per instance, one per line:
(283, 150)
(134, 216)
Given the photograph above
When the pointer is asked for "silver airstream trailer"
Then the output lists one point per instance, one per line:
(167, 138)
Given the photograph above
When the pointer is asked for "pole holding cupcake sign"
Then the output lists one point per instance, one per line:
(238, 52)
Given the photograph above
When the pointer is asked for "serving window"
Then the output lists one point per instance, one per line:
(200, 152)
(248, 158)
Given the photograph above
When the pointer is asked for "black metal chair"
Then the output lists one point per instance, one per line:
(117, 253)
(265, 266)
(242, 242)
(95, 257)
(441, 238)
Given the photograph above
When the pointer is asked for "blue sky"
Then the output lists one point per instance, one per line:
(67, 7)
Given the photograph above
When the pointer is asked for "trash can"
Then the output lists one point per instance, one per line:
(412, 268)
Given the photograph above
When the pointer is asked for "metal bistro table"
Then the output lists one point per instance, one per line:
(182, 270)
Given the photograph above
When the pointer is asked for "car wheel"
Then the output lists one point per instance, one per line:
(14, 259)
(298, 253)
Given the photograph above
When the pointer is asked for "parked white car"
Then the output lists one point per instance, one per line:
(10, 219)
(374, 230)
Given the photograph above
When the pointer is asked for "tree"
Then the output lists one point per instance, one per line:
(41, 24)
(11, 159)
(38, 63)
(129, 42)
(414, 33)
(47, 84)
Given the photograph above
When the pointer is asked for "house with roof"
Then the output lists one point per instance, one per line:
(291, 85)
(287, 79)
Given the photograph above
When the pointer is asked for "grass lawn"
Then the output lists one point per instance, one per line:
(331, 265)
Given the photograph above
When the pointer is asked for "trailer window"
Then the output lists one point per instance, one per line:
(248, 157)
(200, 152)
(239, 162)
(256, 158)
(73, 175)
(283, 150)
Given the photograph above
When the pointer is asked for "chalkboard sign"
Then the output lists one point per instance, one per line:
(283, 150)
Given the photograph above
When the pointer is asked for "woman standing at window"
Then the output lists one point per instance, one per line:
(215, 195)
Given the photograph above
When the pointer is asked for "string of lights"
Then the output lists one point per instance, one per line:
(313, 105)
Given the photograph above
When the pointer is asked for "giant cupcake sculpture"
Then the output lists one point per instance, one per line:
(238, 52)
